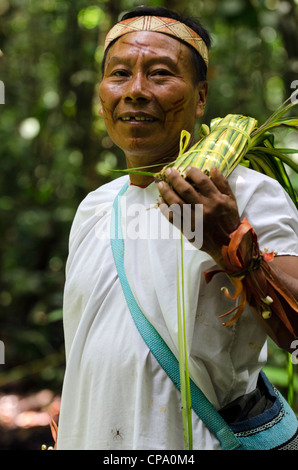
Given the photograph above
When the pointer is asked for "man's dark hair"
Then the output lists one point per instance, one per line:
(198, 62)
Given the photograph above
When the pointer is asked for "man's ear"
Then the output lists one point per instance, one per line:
(100, 111)
(202, 92)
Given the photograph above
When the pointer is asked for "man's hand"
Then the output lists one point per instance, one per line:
(220, 211)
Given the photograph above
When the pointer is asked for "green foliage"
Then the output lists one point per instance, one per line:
(54, 147)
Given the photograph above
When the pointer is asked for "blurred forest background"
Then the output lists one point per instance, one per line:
(54, 150)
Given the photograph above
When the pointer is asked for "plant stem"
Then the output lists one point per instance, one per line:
(183, 355)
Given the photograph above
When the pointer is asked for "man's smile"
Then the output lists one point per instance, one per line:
(137, 117)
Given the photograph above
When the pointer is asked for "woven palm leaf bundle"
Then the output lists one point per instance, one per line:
(220, 145)
(237, 139)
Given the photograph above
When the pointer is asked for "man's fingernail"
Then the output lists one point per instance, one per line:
(168, 171)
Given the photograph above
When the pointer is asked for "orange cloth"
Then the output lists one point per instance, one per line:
(257, 284)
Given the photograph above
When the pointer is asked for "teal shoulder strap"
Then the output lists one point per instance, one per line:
(200, 404)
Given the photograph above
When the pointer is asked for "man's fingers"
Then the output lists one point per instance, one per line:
(209, 185)
(196, 188)
(220, 182)
(164, 208)
(201, 182)
(168, 195)
(182, 191)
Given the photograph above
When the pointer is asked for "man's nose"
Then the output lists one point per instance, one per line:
(137, 88)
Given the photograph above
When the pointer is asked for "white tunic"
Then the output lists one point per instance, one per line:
(115, 394)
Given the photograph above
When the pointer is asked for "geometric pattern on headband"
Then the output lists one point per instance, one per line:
(159, 25)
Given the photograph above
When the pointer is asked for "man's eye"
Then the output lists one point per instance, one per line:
(120, 73)
(162, 72)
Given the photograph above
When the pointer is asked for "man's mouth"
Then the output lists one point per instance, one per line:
(134, 118)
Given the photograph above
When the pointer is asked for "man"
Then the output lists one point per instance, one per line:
(116, 395)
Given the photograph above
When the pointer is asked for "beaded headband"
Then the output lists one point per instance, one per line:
(160, 25)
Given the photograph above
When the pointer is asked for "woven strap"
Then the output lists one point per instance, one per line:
(167, 360)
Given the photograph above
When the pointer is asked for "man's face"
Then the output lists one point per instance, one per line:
(148, 95)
